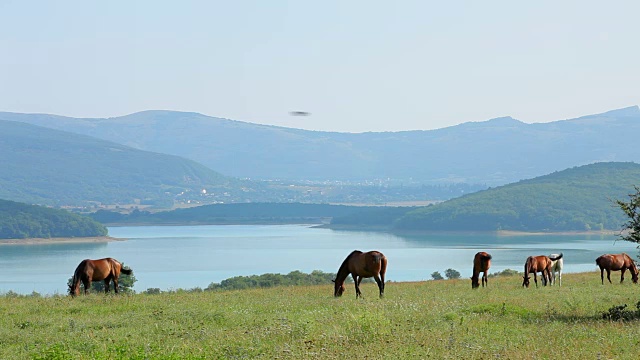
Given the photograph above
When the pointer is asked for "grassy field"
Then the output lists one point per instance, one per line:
(432, 319)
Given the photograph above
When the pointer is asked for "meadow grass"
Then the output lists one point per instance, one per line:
(418, 320)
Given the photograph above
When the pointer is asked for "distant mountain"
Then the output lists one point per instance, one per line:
(493, 152)
(52, 167)
(576, 199)
(20, 221)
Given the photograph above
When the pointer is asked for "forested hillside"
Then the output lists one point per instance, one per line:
(579, 198)
(493, 152)
(264, 213)
(51, 167)
(19, 221)
(576, 199)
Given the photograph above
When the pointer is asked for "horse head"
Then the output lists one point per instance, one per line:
(475, 282)
(525, 281)
(338, 288)
(73, 291)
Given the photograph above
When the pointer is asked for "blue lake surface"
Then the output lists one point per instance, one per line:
(173, 257)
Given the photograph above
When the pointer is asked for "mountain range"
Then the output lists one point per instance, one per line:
(492, 152)
(52, 167)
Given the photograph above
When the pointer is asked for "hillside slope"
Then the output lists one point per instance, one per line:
(493, 152)
(51, 167)
(19, 221)
(576, 199)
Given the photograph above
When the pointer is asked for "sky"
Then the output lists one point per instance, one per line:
(353, 66)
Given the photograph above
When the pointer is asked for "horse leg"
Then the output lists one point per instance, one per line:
(622, 274)
(380, 285)
(359, 281)
(548, 275)
(485, 279)
(560, 277)
(609, 276)
(535, 277)
(106, 285)
(87, 286)
(602, 275)
(356, 282)
(115, 284)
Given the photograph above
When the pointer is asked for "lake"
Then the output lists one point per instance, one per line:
(173, 257)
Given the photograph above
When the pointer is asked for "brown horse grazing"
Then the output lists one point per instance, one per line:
(361, 265)
(481, 264)
(107, 269)
(536, 264)
(615, 262)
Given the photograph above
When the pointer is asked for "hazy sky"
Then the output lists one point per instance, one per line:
(354, 65)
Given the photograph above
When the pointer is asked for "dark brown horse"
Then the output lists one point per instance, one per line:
(536, 264)
(107, 269)
(615, 262)
(361, 265)
(481, 264)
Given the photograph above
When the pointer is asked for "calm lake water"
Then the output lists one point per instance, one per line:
(172, 257)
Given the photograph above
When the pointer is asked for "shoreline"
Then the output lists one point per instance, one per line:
(62, 240)
(540, 233)
(496, 232)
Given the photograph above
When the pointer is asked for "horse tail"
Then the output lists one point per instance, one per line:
(599, 259)
(122, 268)
(487, 256)
(556, 258)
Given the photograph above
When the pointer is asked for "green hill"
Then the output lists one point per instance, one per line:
(19, 221)
(52, 167)
(260, 213)
(576, 199)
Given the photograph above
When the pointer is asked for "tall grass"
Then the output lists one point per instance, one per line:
(432, 319)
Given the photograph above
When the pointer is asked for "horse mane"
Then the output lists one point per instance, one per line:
(528, 265)
(345, 264)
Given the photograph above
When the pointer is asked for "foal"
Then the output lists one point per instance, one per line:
(556, 266)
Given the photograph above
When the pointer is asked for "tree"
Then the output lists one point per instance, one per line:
(632, 210)
(436, 276)
(452, 274)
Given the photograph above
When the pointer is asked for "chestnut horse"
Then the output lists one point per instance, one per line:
(481, 264)
(361, 265)
(107, 269)
(536, 264)
(617, 262)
